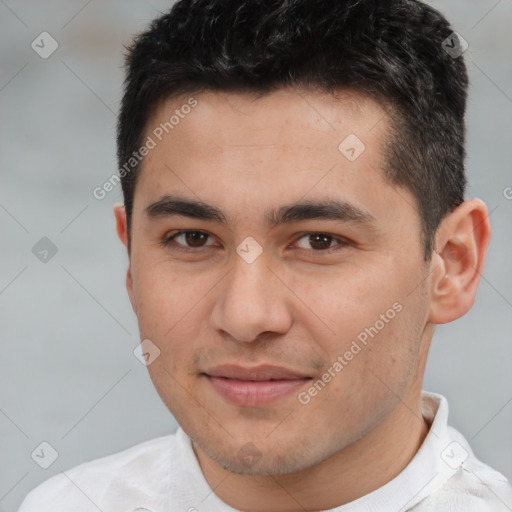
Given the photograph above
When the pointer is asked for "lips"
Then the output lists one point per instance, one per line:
(253, 387)
(258, 373)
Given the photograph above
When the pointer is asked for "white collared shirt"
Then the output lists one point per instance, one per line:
(163, 475)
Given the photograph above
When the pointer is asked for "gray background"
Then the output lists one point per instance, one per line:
(68, 374)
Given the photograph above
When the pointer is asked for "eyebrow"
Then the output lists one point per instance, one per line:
(328, 209)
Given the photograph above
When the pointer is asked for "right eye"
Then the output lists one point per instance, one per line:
(190, 240)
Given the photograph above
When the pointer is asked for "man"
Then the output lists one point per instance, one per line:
(294, 216)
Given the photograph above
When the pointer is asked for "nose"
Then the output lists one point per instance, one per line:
(251, 301)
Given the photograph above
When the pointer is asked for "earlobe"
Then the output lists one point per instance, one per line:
(461, 245)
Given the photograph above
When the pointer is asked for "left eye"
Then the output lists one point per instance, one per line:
(320, 241)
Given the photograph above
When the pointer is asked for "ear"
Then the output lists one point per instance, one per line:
(458, 261)
(122, 233)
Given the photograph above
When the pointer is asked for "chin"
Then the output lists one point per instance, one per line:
(271, 460)
(267, 465)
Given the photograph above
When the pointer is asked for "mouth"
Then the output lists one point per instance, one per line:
(253, 387)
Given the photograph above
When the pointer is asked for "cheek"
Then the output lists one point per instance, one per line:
(171, 311)
(341, 303)
(156, 303)
(164, 294)
(368, 317)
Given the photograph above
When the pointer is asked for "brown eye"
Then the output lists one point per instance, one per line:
(187, 239)
(317, 241)
(195, 238)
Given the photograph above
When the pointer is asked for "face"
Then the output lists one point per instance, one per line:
(280, 277)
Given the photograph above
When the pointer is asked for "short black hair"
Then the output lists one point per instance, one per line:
(391, 50)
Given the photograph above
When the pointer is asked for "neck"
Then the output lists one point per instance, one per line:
(351, 473)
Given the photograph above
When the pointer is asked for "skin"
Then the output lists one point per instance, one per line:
(297, 305)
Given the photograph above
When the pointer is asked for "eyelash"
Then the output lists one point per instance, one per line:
(169, 242)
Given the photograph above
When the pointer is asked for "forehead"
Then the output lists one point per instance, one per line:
(239, 151)
(286, 116)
